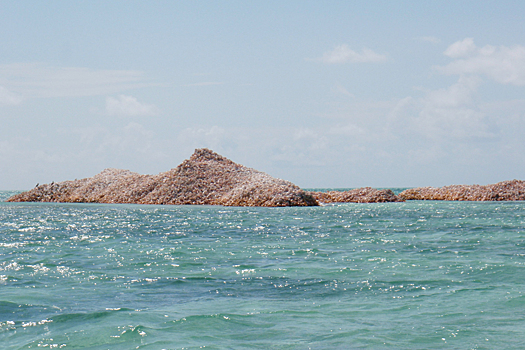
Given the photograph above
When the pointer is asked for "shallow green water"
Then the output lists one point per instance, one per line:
(420, 275)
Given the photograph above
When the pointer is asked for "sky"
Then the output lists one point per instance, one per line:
(337, 94)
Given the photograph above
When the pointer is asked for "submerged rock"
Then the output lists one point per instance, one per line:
(359, 195)
(513, 190)
(205, 178)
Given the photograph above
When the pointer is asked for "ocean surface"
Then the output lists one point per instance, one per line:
(414, 275)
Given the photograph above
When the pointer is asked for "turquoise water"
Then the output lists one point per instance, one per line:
(414, 275)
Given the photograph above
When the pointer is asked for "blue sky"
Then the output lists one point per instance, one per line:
(324, 94)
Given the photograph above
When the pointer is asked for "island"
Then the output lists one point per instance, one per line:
(207, 178)
(513, 190)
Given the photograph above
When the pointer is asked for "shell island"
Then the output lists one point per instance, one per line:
(207, 178)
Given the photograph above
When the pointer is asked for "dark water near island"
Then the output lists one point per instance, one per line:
(414, 275)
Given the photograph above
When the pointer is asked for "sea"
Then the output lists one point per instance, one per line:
(412, 275)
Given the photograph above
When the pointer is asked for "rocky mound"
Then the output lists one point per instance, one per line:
(205, 178)
(513, 190)
(359, 195)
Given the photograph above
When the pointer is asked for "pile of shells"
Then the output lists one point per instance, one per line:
(209, 178)
(513, 190)
(359, 195)
(205, 178)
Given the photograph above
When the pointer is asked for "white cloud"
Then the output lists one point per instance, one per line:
(38, 80)
(456, 113)
(505, 65)
(343, 54)
(128, 106)
(437, 120)
(461, 48)
(457, 95)
(441, 117)
(9, 98)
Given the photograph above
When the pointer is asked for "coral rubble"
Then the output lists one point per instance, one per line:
(208, 178)
(205, 178)
(359, 195)
(513, 190)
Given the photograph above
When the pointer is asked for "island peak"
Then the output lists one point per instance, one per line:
(206, 178)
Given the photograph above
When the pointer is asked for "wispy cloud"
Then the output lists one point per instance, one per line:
(429, 39)
(9, 98)
(452, 113)
(340, 89)
(206, 83)
(128, 106)
(461, 48)
(343, 54)
(506, 65)
(39, 80)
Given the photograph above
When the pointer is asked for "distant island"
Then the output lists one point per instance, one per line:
(207, 178)
(513, 190)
